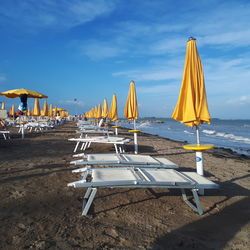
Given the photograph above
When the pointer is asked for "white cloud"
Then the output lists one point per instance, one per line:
(53, 14)
(241, 100)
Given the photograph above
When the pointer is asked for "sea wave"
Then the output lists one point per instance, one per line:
(227, 136)
(144, 125)
(188, 132)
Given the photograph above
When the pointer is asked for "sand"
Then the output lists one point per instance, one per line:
(39, 211)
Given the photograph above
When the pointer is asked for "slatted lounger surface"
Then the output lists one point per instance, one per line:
(122, 160)
(140, 177)
(86, 142)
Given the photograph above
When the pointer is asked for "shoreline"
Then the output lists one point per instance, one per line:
(217, 151)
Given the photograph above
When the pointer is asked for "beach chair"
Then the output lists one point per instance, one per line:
(118, 142)
(122, 160)
(140, 177)
(86, 132)
(5, 133)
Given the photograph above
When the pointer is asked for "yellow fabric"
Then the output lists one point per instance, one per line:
(45, 110)
(28, 112)
(36, 109)
(17, 92)
(192, 108)
(12, 110)
(58, 109)
(50, 113)
(3, 106)
(131, 108)
(105, 109)
(113, 109)
(55, 111)
(99, 112)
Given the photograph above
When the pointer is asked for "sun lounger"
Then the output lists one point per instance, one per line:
(93, 131)
(5, 133)
(86, 142)
(92, 179)
(121, 160)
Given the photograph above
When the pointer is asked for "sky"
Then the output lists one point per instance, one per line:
(79, 52)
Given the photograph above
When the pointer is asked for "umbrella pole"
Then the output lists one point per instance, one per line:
(135, 139)
(199, 160)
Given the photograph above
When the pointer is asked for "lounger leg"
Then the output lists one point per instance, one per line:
(116, 149)
(82, 145)
(76, 146)
(88, 199)
(4, 136)
(198, 207)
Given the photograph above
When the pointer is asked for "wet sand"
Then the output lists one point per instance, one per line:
(39, 211)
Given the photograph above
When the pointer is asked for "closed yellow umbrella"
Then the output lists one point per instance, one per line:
(131, 111)
(12, 110)
(131, 108)
(105, 109)
(113, 109)
(45, 111)
(3, 106)
(99, 111)
(50, 113)
(28, 112)
(36, 110)
(192, 108)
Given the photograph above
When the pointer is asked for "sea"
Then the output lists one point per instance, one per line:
(229, 134)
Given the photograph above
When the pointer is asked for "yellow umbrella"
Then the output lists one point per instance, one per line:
(131, 108)
(28, 112)
(18, 92)
(36, 110)
(105, 109)
(45, 110)
(58, 109)
(55, 111)
(192, 108)
(131, 111)
(12, 110)
(50, 113)
(3, 106)
(99, 111)
(113, 109)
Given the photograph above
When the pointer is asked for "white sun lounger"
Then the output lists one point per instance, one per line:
(86, 142)
(92, 179)
(5, 133)
(122, 160)
(93, 131)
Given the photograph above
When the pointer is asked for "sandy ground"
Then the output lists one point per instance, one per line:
(39, 211)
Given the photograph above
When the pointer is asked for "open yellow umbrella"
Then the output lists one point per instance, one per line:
(12, 110)
(113, 109)
(36, 110)
(192, 108)
(18, 92)
(131, 111)
(105, 109)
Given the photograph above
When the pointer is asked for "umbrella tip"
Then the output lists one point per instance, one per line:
(191, 38)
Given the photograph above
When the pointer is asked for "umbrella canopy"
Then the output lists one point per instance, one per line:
(45, 110)
(36, 109)
(12, 110)
(3, 106)
(131, 108)
(55, 111)
(58, 109)
(105, 109)
(113, 109)
(191, 108)
(18, 92)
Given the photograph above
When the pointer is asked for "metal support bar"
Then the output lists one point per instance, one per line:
(88, 199)
(198, 207)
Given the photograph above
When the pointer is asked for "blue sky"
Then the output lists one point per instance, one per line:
(89, 50)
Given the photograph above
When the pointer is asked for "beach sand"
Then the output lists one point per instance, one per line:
(39, 211)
